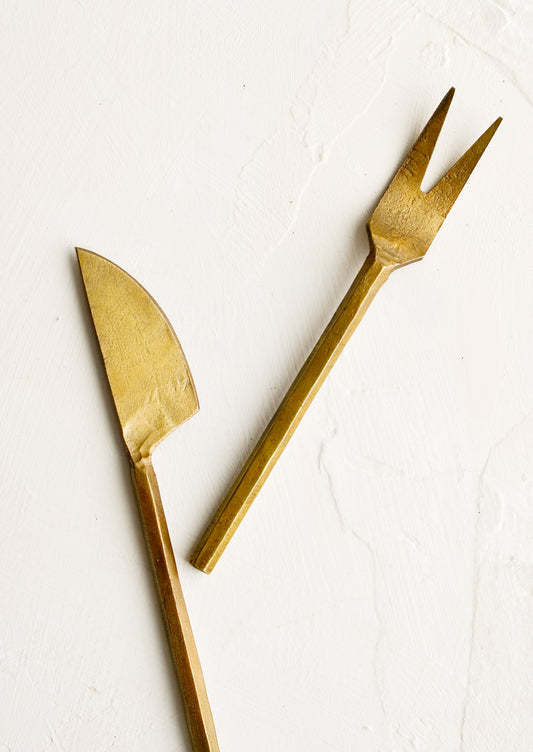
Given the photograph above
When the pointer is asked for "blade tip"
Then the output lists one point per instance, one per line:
(81, 252)
(86, 258)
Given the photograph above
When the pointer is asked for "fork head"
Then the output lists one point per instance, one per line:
(406, 220)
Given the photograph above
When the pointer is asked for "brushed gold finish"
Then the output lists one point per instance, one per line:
(149, 377)
(180, 636)
(400, 231)
(153, 393)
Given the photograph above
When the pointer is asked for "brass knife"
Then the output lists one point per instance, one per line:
(153, 394)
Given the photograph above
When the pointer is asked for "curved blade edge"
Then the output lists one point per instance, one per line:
(150, 380)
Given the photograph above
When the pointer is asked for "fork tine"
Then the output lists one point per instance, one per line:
(415, 164)
(443, 195)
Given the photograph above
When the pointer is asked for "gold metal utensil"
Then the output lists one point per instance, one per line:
(400, 230)
(153, 393)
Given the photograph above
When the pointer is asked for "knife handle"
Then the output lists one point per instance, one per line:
(180, 636)
(288, 415)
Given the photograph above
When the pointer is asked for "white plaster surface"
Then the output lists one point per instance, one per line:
(379, 595)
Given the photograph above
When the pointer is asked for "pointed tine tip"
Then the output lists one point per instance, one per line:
(436, 121)
(416, 162)
(451, 185)
(496, 124)
(471, 157)
(447, 99)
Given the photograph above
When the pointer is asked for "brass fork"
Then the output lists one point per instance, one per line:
(400, 230)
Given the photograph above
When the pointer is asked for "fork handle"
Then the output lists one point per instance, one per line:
(180, 637)
(288, 415)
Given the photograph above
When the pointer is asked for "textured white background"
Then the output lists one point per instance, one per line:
(379, 596)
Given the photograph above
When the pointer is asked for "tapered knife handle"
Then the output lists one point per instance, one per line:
(181, 640)
(288, 415)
